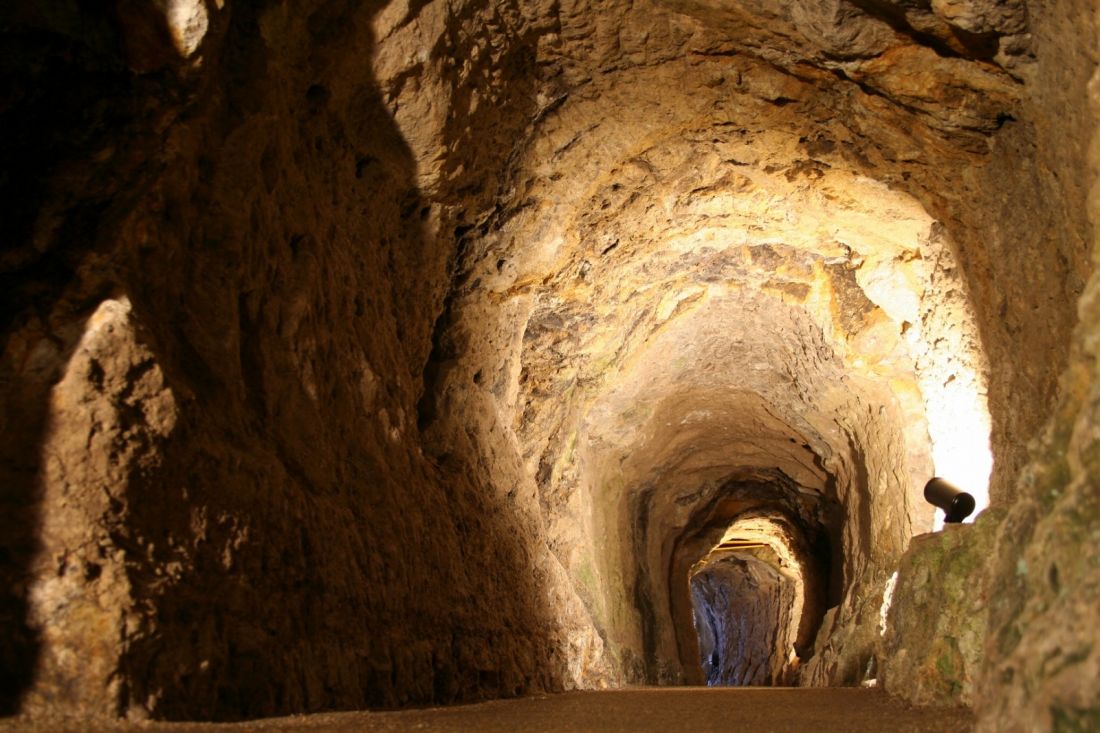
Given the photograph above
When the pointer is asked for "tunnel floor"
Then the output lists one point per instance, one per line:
(636, 710)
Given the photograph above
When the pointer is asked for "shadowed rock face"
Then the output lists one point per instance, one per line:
(370, 354)
(759, 596)
(742, 605)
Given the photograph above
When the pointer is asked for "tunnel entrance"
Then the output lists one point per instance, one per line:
(735, 336)
(751, 580)
(742, 606)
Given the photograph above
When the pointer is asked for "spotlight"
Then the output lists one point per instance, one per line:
(956, 503)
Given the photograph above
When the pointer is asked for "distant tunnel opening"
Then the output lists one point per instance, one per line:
(742, 606)
(758, 598)
(751, 581)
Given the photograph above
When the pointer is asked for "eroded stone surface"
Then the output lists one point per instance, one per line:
(448, 321)
(742, 604)
(1034, 666)
(932, 650)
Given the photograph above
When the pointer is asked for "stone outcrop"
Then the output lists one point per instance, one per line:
(369, 354)
(935, 616)
(1024, 657)
(258, 209)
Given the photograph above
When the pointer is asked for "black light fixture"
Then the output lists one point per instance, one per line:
(956, 503)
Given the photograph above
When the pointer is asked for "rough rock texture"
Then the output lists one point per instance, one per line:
(936, 615)
(688, 292)
(1027, 248)
(1042, 659)
(741, 609)
(117, 411)
(1062, 483)
(847, 647)
(360, 353)
(1033, 664)
(768, 521)
(281, 543)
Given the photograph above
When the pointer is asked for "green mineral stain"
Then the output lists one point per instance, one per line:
(1021, 567)
(945, 665)
(948, 661)
(586, 576)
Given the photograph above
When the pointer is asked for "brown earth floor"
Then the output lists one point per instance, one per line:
(639, 710)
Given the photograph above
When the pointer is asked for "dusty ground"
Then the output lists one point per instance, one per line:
(635, 711)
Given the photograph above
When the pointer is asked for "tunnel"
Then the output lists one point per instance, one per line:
(371, 355)
(757, 597)
(717, 310)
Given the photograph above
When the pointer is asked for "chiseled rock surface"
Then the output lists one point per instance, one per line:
(416, 305)
(1041, 654)
(116, 413)
(744, 603)
(284, 545)
(933, 640)
(1041, 659)
(738, 269)
(1035, 666)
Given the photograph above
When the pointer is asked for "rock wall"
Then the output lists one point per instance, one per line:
(217, 505)
(1040, 668)
(935, 615)
(1029, 238)
(431, 325)
(700, 243)
(742, 606)
(1010, 635)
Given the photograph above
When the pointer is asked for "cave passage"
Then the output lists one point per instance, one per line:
(692, 325)
(757, 602)
(751, 581)
(520, 347)
(741, 607)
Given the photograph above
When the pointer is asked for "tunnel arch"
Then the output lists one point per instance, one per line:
(758, 595)
(528, 220)
(637, 248)
(648, 467)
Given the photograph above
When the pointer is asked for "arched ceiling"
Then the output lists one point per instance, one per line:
(712, 243)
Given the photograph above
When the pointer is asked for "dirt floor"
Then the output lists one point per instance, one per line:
(661, 710)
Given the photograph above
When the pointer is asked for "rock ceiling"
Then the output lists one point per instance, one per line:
(717, 249)
(561, 293)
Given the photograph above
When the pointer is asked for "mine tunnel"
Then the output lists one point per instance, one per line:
(363, 355)
(759, 594)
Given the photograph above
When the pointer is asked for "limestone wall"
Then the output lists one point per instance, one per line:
(1015, 592)
(367, 354)
(217, 504)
